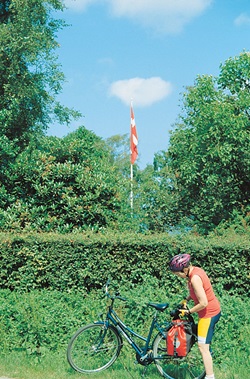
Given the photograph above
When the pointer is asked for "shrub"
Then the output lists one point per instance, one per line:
(43, 321)
(82, 262)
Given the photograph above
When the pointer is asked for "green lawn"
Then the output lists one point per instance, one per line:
(20, 366)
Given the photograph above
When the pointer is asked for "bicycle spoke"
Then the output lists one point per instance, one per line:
(189, 367)
(94, 348)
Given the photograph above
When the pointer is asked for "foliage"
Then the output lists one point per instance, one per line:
(8, 152)
(38, 321)
(209, 149)
(81, 182)
(30, 76)
(119, 152)
(30, 79)
(42, 322)
(155, 202)
(63, 185)
(201, 182)
(234, 330)
(85, 261)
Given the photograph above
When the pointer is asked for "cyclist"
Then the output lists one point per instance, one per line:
(205, 304)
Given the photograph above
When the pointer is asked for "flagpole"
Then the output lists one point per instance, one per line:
(133, 152)
(131, 187)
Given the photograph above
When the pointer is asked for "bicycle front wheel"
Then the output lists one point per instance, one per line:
(189, 367)
(94, 348)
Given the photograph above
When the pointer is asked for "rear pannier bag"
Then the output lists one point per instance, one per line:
(179, 338)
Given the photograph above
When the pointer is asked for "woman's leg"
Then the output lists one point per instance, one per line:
(207, 358)
(205, 334)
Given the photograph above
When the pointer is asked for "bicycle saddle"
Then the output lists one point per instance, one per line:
(159, 307)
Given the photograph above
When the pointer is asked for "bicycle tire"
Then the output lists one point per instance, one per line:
(94, 348)
(189, 367)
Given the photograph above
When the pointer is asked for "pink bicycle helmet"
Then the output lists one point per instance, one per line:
(179, 262)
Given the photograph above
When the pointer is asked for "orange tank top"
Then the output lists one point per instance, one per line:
(213, 307)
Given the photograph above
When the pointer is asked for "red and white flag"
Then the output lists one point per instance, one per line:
(133, 138)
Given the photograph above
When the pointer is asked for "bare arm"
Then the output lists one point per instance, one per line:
(200, 294)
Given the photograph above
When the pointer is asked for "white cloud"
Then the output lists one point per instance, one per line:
(142, 91)
(167, 16)
(242, 19)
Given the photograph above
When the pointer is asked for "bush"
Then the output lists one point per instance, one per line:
(39, 321)
(82, 262)
(63, 185)
(43, 321)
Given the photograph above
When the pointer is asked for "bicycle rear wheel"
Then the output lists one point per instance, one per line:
(94, 348)
(189, 367)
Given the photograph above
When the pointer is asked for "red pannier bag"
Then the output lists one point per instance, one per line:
(179, 338)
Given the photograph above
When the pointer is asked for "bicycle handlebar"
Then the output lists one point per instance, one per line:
(115, 296)
(175, 313)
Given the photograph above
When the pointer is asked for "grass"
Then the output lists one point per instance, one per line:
(56, 320)
(18, 365)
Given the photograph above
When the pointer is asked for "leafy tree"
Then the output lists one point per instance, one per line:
(30, 77)
(209, 151)
(154, 201)
(120, 152)
(64, 185)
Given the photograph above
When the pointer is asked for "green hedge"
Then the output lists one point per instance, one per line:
(42, 321)
(84, 262)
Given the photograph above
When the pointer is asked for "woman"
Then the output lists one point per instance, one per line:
(205, 304)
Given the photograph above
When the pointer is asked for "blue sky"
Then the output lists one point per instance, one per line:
(147, 50)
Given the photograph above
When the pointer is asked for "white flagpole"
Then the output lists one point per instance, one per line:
(133, 151)
(131, 187)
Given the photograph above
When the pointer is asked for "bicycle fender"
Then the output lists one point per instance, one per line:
(107, 325)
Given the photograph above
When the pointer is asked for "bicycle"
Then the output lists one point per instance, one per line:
(96, 346)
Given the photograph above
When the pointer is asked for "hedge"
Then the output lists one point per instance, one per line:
(42, 321)
(83, 262)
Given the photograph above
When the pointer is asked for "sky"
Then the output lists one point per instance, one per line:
(147, 51)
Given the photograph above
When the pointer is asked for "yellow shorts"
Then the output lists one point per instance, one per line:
(206, 328)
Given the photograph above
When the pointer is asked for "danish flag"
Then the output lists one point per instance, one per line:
(133, 138)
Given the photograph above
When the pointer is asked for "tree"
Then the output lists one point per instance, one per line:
(209, 151)
(64, 185)
(119, 146)
(154, 201)
(30, 77)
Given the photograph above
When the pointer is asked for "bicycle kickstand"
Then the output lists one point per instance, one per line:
(144, 372)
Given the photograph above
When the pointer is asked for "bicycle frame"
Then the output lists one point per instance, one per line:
(102, 342)
(126, 331)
